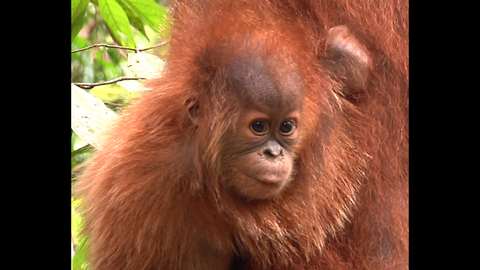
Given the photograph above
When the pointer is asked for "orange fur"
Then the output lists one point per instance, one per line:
(153, 196)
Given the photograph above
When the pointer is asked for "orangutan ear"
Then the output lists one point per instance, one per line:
(347, 60)
(193, 109)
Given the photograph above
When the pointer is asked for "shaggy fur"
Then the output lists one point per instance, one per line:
(154, 195)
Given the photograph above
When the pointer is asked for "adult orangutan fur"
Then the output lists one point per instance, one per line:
(163, 192)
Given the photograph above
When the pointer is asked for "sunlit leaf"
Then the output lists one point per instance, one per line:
(89, 114)
(145, 65)
(150, 12)
(110, 93)
(117, 21)
(142, 65)
(77, 224)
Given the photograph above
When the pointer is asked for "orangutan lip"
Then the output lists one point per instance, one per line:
(275, 180)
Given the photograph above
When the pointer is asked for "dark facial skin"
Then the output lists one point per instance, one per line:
(268, 127)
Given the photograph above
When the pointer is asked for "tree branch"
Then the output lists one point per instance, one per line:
(154, 46)
(91, 85)
(120, 47)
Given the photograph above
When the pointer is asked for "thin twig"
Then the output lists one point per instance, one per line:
(104, 45)
(154, 46)
(120, 47)
(91, 85)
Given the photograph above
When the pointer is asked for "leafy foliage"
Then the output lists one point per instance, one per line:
(129, 23)
(119, 15)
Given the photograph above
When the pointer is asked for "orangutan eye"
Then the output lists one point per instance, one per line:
(287, 127)
(259, 127)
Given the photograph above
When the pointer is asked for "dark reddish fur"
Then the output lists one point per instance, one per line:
(153, 195)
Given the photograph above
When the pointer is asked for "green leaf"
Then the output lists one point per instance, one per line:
(79, 7)
(76, 224)
(152, 14)
(136, 21)
(117, 21)
(80, 260)
(89, 113)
